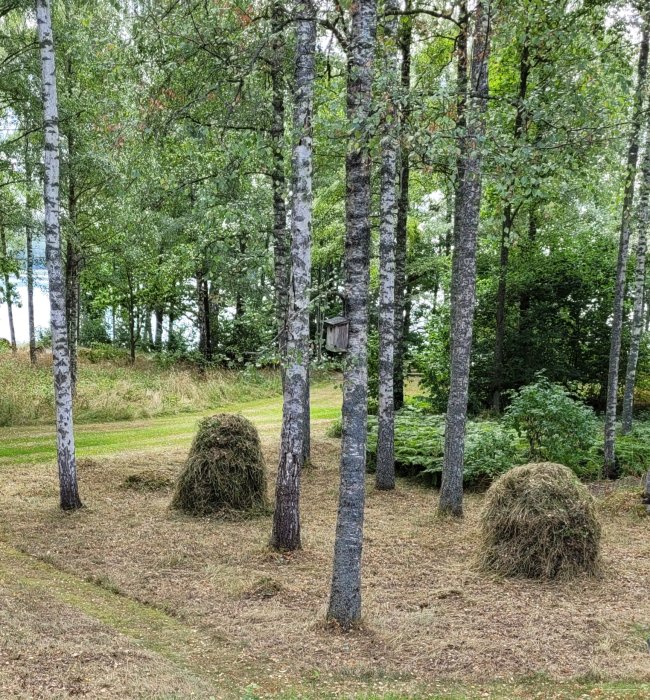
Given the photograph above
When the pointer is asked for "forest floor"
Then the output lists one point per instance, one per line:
(126, 599)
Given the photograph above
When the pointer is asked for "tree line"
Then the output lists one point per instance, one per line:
(464, 182)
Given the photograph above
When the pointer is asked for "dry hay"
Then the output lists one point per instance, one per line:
(540, 522)
(147, 480)
(224, 470)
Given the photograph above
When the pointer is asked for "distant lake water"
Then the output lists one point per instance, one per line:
(41, 308)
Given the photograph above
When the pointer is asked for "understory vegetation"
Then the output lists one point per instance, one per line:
(543, 422)
(109, 388)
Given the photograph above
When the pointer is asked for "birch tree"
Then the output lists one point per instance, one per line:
(463, 282)
(345, 598)
(609, 467)
(385, 475)
(60, 352)
(286, 519)
(643, 220)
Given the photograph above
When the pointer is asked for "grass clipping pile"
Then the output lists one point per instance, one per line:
(224, 471)
(540, 522)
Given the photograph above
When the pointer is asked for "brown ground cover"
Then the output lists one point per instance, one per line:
(235, 614)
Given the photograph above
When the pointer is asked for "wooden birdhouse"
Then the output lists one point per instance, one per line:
(337, 334)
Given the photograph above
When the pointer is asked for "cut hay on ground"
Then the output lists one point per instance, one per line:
(539, 521)
(224, 470)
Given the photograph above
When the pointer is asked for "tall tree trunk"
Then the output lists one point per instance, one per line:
(203, 315)
(345, 598)
(385, 475)
(8, 288)
(278, 180)
(72, 298)
(30, 256)
(159, 312)
(639, 288)
(286, 518)
(405, 39)
(609, 467)
(60, 357)
(463, 285)
(509, 213)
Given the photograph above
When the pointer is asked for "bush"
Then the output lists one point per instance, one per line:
(490, 449)
(224, 470)
(539, 521)
(557, 427)
(633, 451)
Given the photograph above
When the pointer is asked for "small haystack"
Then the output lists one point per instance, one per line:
(224, 470)
(539, 521)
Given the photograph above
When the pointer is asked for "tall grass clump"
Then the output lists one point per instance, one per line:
(109, 388)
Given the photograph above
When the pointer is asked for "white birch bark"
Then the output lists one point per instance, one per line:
(60, 353)
(639, 288)
(286, 518)
(463, 284)
(345, 597)
(385, 475)
(609, 467)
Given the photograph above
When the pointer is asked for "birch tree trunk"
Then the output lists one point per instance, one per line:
(406, 35)
(8, 288)
(385, 475)
(60, 354)
(345, 597)
(609, 466)
(286, 518)
(639, 288)
(463, 285)
(29, 256)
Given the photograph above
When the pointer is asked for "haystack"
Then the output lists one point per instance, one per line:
(224, 470)
(540, 522)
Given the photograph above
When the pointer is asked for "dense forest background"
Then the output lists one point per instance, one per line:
(176, 161)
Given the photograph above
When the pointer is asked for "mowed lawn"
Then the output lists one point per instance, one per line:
(127, 599)
(35, 444)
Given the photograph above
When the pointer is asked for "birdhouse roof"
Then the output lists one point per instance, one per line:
(336, 321)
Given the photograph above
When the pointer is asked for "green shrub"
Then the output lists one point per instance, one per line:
(490, 449)
(557, 428)
(633, 450)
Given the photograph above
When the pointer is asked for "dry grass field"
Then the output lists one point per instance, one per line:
(127, 599)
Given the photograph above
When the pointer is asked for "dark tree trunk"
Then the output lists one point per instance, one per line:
(385, 476)
(639, 289)
(159, 328)
(72, 302)
(609, 467)
(345, 598)
(278, 180)
(8, 288)
(405, 39)
(60, 352)
(203, 316)
(30, 256)
(286, 518)
(509, 213)
(463, 284)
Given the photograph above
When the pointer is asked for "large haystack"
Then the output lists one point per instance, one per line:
(539, 521)
(224, 470)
